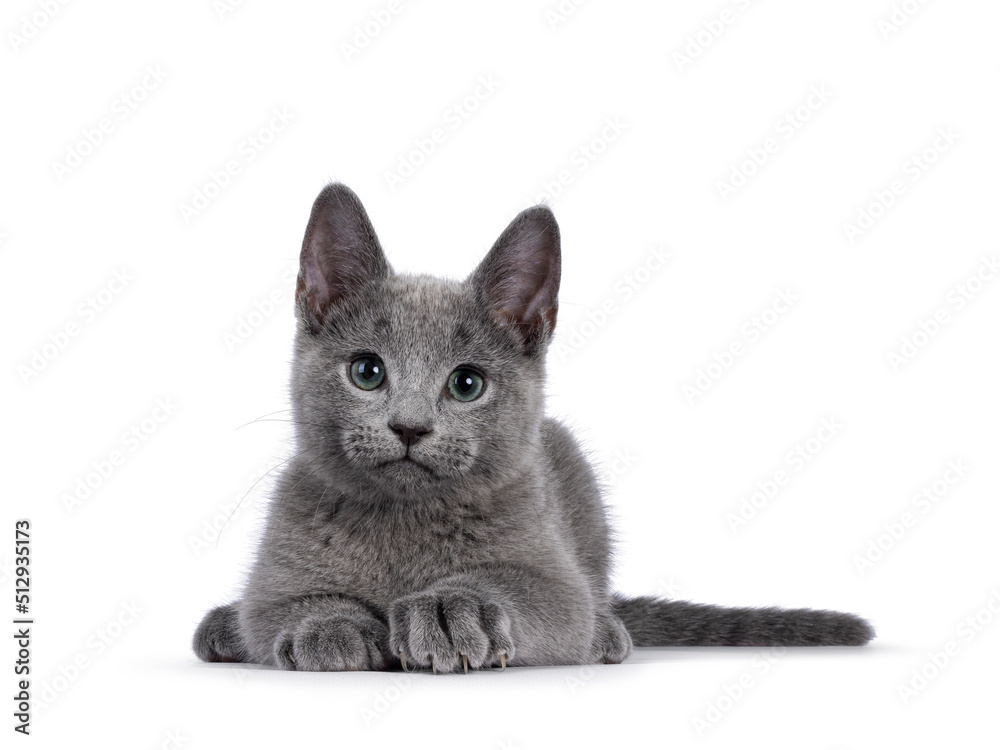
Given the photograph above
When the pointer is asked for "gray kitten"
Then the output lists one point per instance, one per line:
(433, 515)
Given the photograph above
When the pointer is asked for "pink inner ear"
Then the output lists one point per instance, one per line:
(317, 289)
(541, 284)
(519, 277)
(528, 276)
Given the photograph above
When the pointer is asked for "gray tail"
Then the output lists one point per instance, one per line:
(658, 622)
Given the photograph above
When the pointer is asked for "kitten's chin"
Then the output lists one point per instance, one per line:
(406, 475)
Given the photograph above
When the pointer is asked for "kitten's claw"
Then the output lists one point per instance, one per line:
(449, 628)
(402, 660)
(503, 661)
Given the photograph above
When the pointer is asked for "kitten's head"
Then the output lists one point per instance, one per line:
(409, 384)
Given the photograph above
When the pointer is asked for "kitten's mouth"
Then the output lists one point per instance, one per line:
(410, 462)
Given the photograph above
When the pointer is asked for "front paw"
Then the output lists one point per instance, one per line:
(333, 644)
(450, 628)
(218, 636)
(613, 644)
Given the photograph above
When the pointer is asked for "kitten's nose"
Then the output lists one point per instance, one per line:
(409, 435)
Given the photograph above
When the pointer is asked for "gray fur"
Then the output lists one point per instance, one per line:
(492, 543)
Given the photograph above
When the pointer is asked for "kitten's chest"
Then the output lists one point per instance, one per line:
(379, 556)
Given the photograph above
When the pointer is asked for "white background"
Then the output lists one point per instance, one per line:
(146, 537)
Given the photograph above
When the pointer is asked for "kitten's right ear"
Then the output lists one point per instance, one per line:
(340, 254)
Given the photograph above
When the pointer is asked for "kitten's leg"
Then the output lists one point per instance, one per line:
(218, 636)
(323, 633)
(500, 614)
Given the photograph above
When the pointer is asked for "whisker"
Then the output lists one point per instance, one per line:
(289, 421)
(337, 424)
(229, 518)
(318, 504)
(312, 470)
(261, 417)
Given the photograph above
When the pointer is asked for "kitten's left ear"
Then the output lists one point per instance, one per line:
(340, 254)
(518, 280)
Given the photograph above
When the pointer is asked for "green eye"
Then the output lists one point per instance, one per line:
(367, 372)
(465, 384)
